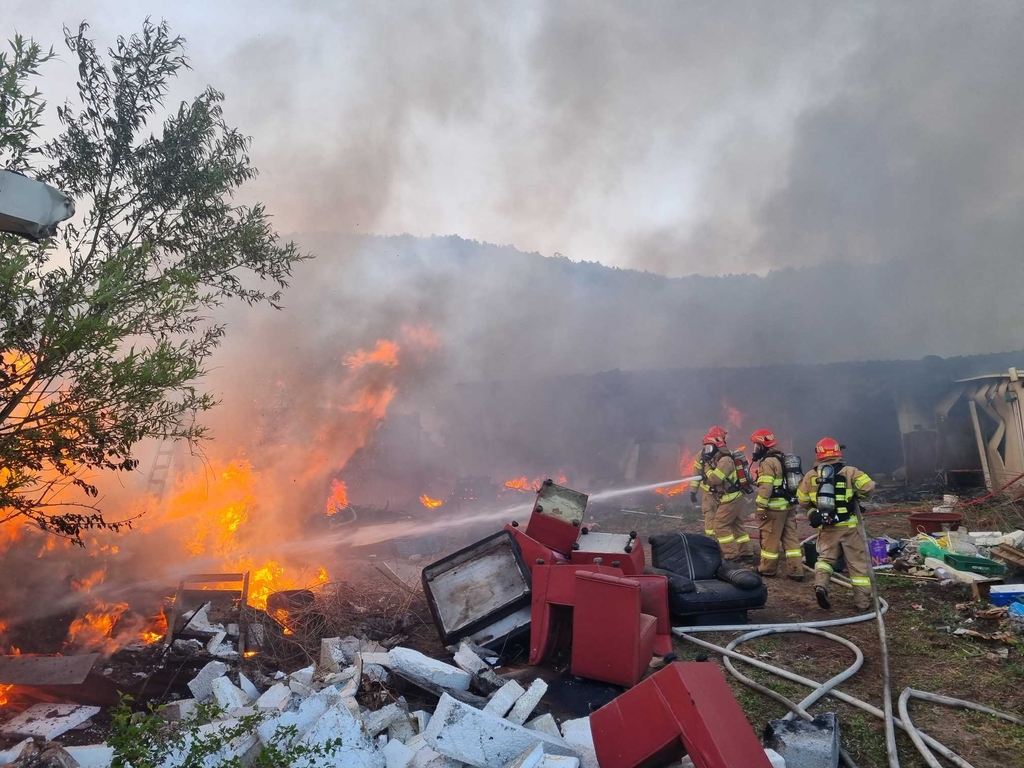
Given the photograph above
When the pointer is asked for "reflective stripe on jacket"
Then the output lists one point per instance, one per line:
(771, 481)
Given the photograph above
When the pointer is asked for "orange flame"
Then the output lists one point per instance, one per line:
(158, 630)
(93, 629)
(522, 484)
(672, 490)
(339, 497)
(384, 353)
(430, 503)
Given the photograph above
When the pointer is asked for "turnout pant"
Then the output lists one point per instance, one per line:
(780, 544)
(732, 538)
(708, 507)
(844, 539)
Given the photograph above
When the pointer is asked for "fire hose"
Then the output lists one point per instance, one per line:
(927, 743)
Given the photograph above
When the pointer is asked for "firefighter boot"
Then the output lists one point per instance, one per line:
(821, 595)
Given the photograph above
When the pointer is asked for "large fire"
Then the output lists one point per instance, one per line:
(430, 503)
(233, 512)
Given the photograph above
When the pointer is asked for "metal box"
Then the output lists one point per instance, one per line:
(557, 517)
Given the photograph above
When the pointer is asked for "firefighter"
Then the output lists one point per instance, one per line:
(719, 472)
(831, 491)
(708, 500)
(777, 514)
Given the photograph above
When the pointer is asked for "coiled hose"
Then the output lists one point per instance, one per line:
(924, 743)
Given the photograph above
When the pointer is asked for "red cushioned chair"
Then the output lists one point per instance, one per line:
(654, 602)
(552, 600)
(613, 640)
(532, 550)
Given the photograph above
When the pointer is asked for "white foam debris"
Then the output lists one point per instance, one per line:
(468, 661)
(383, 718)
(248, 687)
(578, 735)
(303, 676)
(92, 755)
(11, 754)
(531, 757)
(276, 697)
(215, 641)
(544, 724)
(332, 657)
(397, 755)
(415, 664)
(48, 721)
(559, 761)
(502, 701)
(356, 750)
(229, 696)
(473, 736)
(528, 702)
(202, 684)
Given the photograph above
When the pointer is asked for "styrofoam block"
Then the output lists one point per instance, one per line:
(777, 760)
(229, 696)
(544, 724)
(531, 757)
(238, 749)
(332, 657)
(12, 753)
(578, 735)
(383, 718)
(202, 684)
(215, 641)
(559, 761)
(468, 661)
(248, 687)
(501, 702)
(356, 750)
(181, 709)
(528, 702)
(415, 664)
(428, 758)
(303, 676)
(309, 711)
(92, 755)
(299, 688)
(276, 697)
(200, 622)
(380, 658)
(397, 755)
(402, 729)
(48, 720)
(476, 737)
(422, 719)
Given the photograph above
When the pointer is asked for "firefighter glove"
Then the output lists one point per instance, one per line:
(693, 497)
(814, 518)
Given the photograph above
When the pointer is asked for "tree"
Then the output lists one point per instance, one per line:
(106, 329)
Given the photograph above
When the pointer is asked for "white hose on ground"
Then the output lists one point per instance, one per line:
(942, 749)
(935, 698)
(890, 728)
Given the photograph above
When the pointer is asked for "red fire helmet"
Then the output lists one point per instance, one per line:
(715, 436)
(827, 448)
(764, 437)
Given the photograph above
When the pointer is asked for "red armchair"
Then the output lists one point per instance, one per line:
(613, 640)
(552, 600)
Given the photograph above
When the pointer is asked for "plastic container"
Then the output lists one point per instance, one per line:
(980, 565)
(1004, 594)
(879, 549)
(932, 522)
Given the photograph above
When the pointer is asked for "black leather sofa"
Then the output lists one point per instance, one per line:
(704, 589)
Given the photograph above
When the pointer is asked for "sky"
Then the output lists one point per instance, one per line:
(680, 138)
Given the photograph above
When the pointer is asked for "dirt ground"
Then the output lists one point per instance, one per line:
(923, 652)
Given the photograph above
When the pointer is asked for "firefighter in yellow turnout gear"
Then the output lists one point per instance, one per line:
(719, 473)
(831, 491)
(779, 541)
(708, 500)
